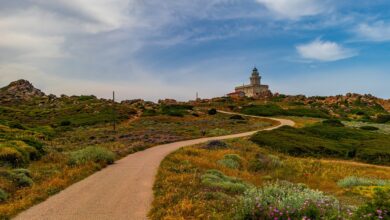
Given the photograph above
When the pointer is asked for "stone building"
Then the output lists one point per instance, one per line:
(254, 89)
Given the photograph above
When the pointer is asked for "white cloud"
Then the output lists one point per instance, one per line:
(378, 31)
(294, 9)
(324, 51)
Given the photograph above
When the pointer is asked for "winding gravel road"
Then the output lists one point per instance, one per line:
(120, 191)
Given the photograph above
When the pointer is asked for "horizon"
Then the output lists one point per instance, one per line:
(187, 100)
(155, 50)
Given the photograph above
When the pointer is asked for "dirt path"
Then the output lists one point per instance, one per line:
(120, 191)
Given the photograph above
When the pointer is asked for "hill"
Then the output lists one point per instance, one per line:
(48, 143)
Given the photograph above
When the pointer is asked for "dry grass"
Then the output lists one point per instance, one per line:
(179, 193)
(52, 173)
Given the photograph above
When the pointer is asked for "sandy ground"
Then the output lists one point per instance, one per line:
(120, 191)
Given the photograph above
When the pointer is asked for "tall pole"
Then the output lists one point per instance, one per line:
(113, 110)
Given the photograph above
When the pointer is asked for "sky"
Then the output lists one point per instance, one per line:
(153, 49)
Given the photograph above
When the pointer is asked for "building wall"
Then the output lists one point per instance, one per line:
(253, 90)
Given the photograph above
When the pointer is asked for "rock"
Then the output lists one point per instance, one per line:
(20, 90)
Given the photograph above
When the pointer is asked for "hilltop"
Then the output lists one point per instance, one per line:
(18, 91)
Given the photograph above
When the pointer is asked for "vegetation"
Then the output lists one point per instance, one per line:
(212, 111)
(64, 140)
(232, 161)
(91, 154)
(285, 200)
(328, 140)
(193, 184)
(369, 128)
(351, 181)
(274, 110)
(214, 179)
(378, 208)
(3, 195)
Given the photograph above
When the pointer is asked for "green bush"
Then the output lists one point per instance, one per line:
(285, 200)
(264, 162)
(65, 123)
(237, 117)
(3, 195)
(383, 118)
(217, 180)
(17, 125)
(91, 154)
(215, 145)
(23, 171)
(149, 112)
(175, 110)
(11, 156)
(352, 181)
(333, 122)
(35, 144)
(20, 177)
(232, 161)
(378, 208)
(369, 128)
(212, 111)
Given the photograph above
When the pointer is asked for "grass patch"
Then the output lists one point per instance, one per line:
(351, 181)
(91, 154)
(232, 161)
(216, 180)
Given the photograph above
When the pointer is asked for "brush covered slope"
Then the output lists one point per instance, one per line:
(329, 139)
(49, 142)
(365, 108)
(237, 179)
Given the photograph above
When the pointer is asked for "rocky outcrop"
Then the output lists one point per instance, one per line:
(20, 90)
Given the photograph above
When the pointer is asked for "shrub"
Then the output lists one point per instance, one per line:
(378, 208)
(215, 145)
(333, 122)
(175, 110)
(237, 117)
(383, 118)
(20, 177)
(17, 126)
(352, 181)
(217, 180)
(23, 171)
(3, 195)
(149, 112)
(212, 111)
(232, 161)
(275, 161)
(36, 144)
(65, 123)
(285, 200)
(264, 162)
(11, 156)
(91, 154)
(369, 128)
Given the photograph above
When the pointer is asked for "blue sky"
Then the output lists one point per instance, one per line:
(155, 49)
